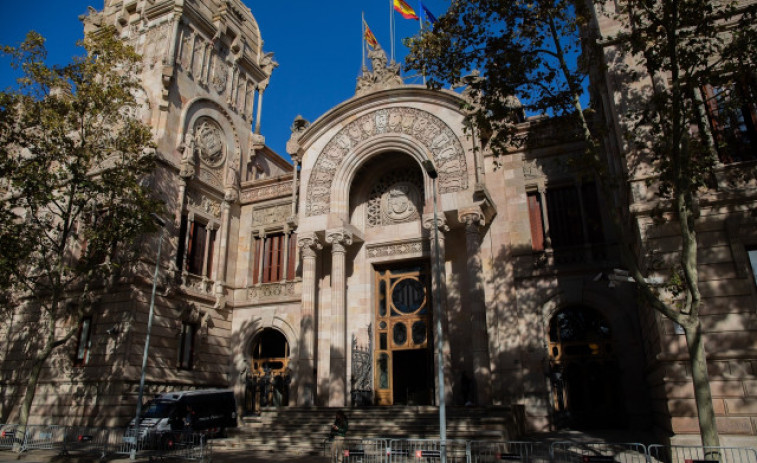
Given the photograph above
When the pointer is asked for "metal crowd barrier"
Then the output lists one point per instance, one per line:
(8, 436)
(516, 452)
(80, 440)
(86, 440)
(426, 450)
(696, 454)
(364, 450)
(598, 452)
(44, 437)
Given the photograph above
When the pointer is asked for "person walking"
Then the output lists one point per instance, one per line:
(337, 434)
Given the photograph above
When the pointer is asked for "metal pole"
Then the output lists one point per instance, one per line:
(428, 165)
(133, 452)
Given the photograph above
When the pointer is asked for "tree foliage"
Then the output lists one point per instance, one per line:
(75, 162)
(542, 51)
(513, 57)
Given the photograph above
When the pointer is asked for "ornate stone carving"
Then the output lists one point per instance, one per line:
(271, 215)
(156, 44)
(427, 129)
(277, 190)
(271, 292)
(298, 126)
(399, 203)
(473, 219)
(210, 178)
(383, 75)
(441, 221)
(309, 245)
(200, 202)
(209, 140)
(339, 239)
(220, 75)
(187, 150)
(414, 247)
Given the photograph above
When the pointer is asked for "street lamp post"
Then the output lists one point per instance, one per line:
(162, 223)
(430, 169)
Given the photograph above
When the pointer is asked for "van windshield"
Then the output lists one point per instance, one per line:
(158, 409)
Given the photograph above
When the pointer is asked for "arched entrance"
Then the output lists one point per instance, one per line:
(404, 364)
(269, 378)
(583, 370)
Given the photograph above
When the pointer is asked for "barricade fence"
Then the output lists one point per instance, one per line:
(696, 454)
(102, 442)
(78, 440)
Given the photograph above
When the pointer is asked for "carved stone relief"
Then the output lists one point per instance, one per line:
(395, 198)
(200, 202)
(414, 247)
(220, 74)
(267, 192)
(209, 141)
(271, 215)
(270, 292)
(156, 44)
(426, 128)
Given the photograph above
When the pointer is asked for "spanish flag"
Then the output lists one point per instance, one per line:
(405, 10)
(370, 39)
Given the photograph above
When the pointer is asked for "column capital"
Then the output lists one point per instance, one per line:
(441, 222)
(309, 244)
(339, 239)
(473, 218)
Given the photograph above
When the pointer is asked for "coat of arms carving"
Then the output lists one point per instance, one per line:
(209, 142)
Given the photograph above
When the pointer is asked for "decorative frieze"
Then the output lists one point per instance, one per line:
(427, 129)
(200, 202)
(277, 190)
(197, 284)
(271, 215)
(270, 292)
(414, 247)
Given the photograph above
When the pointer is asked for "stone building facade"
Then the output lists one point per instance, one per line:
(313, 283)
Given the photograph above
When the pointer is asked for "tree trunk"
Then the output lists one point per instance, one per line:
(702, 393)
(26, 406)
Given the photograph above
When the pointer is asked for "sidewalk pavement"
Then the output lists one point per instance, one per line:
(219, 456)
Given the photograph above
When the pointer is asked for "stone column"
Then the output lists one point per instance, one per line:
(261, 89)
(306, 366)
(338, 239)
(428, 224)
(223, 244)
(285, 259)
(473, 220)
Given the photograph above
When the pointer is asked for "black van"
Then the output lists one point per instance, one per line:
(209, 411)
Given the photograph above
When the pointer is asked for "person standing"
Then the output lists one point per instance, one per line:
(337, 434)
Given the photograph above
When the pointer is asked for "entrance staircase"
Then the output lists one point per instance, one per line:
(302, 431)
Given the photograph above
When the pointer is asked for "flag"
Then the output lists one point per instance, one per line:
(370, 39)
(426, 14)
(405, 10)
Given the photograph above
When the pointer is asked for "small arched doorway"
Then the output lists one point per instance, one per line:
(584, 370)
(269, 378)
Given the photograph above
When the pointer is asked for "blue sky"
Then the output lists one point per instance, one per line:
(317, 45)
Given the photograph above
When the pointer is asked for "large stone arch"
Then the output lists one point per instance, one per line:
(415, 131)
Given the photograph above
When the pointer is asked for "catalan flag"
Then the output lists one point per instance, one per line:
(405, 10)
(370, 39)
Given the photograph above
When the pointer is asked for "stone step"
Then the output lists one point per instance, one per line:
(302, 431)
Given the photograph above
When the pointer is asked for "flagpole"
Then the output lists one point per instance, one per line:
(391, 27)
(420, 24)
(362, 39)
